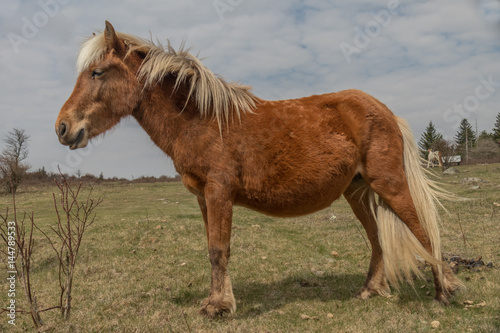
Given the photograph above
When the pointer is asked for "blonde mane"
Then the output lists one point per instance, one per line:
(213, 95)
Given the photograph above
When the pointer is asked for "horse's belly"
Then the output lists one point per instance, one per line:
(295, 197)
(288, 207)
(298, 170)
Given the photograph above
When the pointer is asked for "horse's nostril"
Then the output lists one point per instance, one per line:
(62, 129)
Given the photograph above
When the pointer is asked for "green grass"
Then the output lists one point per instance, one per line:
(135, 277)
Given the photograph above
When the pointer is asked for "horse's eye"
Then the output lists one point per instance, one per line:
(97, 72)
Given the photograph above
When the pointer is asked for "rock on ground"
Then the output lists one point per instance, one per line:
(450, 171)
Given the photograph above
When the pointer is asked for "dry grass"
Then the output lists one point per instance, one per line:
(143, 267)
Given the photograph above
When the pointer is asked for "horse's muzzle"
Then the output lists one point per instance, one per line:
(73, 141)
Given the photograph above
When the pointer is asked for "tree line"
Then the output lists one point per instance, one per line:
(471, 146)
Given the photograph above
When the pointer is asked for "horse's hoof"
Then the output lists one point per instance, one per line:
(451, 283)
(442, 299)
(367, 292)
(212, 310)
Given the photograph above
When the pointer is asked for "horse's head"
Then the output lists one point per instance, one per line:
(106, 89)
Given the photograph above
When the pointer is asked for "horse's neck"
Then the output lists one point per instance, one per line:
(161, 115)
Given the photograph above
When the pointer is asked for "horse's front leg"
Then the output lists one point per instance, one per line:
(217, 210)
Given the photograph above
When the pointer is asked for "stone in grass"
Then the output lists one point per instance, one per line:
(435, 324)
(450, 171)
(473, 180)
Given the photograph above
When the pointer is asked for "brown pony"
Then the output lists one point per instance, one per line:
(282, 158)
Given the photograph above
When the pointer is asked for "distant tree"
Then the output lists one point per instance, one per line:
(496, 129)
(465, 138)
(40, 175)
(429, 139)
(485, 136)
(465, 134)
(42, 171)
(12, 166)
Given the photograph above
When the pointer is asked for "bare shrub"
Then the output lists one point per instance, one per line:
(486, 151)
(12, 166)
(73, 218)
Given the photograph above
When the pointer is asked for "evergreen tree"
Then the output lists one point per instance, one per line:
(485, 136)
(465, 134)
(465, 139)
(429, 139)
(496, 129)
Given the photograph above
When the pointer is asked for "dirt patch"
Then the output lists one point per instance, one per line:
(477, 264)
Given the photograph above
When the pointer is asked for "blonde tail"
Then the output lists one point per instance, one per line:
(400, 247)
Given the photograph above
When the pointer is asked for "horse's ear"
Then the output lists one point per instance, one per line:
(112, 40)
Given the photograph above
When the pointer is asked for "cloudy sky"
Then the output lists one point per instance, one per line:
(435, 60)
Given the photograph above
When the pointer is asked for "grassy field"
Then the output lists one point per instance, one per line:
(143, 266)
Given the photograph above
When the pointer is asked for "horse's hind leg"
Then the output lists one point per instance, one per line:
(357, 196)
(387, 178)
(402, 204)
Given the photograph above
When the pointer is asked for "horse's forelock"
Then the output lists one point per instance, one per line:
(92, 50)
(95, 48)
